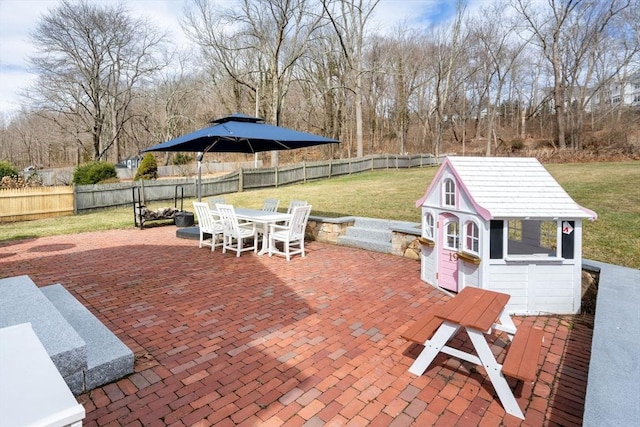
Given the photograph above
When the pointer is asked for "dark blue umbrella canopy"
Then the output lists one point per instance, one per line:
(239, 133)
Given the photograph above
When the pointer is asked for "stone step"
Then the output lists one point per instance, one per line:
(371, 223)
(377, 235)
(108, 359)
(372, 234)
(22, 302)
(370, 245)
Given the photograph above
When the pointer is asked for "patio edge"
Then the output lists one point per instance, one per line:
(613, 384)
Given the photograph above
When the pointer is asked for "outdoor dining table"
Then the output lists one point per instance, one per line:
(479, 312)
(261, 217)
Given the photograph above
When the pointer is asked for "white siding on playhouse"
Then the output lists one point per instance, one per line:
(513, 280)
(536, 288)
(428, 272)
(469, 275)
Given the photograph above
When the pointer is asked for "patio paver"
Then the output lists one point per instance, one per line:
(254, 340)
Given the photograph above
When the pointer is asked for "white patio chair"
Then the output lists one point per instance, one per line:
(294, 203)
(234, 232)
(208, 225)
(271, 205)
(213, 201)
(290, 235)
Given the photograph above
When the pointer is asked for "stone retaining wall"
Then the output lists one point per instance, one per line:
(404, 241)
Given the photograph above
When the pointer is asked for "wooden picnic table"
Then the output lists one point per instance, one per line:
(480, 312)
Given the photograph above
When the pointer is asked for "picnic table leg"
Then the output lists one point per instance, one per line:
(494, 371)
(432, 347)
(506, 324)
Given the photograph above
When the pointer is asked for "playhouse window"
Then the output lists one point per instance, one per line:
(429, 226)
(449, 192)
(452, 236)
(532, 237)
(472, 237)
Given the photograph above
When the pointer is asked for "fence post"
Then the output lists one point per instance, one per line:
(276, 176)
(304, 172)
(240, 180)
(75, 199)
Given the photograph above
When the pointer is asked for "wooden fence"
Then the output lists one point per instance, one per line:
(89, 197)
(34, 203)
(83, 198)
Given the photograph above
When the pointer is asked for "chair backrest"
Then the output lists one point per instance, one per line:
(206, 222)
(298, 222)
(270, 205)
(228, 217)
(213, 201)
(294, 203)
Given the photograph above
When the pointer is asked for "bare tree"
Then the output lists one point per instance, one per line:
(89, 61)
(567, 34)
(321, 80)
(497, 51)
(448, 52)
(349, 20)
(169, 109)
(257, 45)
(404, 61)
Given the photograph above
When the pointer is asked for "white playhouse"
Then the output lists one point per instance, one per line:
(503, 224)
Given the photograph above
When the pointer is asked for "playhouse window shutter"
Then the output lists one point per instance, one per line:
(495, 239)
(567, 241)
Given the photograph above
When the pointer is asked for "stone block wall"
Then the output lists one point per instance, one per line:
(327, 229)
(406, 245)
(404, 242)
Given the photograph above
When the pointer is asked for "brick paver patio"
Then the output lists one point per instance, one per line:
(254, 340)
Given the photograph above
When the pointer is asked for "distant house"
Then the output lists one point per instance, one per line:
(131, 162)
(626, 92)
(503, 224)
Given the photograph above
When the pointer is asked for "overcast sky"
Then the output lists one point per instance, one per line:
(19, 17)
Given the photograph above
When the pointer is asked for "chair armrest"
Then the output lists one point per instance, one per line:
(275, 227)
(248, 225)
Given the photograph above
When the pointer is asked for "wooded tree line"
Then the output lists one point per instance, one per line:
(110, 84)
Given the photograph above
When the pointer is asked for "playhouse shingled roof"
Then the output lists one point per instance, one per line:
(510, 187)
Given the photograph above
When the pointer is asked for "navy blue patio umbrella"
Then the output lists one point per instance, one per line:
(240, 133)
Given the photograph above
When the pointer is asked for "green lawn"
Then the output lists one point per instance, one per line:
(612, 190)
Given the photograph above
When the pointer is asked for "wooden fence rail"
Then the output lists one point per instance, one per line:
(34, 203)
(83, 198)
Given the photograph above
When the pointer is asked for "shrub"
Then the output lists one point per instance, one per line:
(148, 168)
(94, 173)
(181, 159)
(7, 169)
(517, 144)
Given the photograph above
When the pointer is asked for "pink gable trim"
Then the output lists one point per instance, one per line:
(485, 214)
(594, 215)
(434, 182)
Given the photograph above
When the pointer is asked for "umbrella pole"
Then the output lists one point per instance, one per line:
(199, 180)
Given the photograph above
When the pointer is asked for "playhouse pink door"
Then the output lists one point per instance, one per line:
(449, 232)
